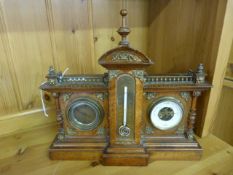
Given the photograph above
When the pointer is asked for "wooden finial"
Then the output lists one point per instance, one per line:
(123, 30)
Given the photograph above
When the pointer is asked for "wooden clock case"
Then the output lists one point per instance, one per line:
(100, 139)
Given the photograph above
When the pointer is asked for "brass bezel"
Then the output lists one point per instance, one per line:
(161, 99)
(91, 103)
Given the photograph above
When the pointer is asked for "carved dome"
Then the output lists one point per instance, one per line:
(124, 57)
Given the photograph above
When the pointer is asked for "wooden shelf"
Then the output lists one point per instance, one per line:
(228, 82)
(228, 78)
(27, 153)
(230, 62)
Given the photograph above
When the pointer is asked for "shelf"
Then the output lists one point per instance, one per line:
(27, 153)
(230, 62)
(228, 82)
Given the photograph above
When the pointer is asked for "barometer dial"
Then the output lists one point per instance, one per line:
(166, 113)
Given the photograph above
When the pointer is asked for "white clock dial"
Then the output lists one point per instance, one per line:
(166, 114)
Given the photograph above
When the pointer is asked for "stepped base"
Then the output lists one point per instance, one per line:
(127, 156)
(77, 149)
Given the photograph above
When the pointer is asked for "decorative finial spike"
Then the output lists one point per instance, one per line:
(123, 30)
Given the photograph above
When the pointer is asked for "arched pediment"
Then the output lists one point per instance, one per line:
(124, 57)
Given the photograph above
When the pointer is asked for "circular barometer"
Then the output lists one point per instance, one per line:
(85, 114)
(166, 113)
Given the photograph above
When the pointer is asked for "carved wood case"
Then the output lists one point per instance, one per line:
(119, 118)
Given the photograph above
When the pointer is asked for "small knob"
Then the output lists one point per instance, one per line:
(123, 12)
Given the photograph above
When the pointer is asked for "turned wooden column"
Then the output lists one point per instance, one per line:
(192, 114)
(61, 133)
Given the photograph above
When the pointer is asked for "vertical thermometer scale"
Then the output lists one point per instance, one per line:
(124, 130)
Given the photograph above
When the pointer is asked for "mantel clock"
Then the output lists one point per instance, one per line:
(125, 116)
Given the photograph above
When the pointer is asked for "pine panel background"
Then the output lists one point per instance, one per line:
(74, 33)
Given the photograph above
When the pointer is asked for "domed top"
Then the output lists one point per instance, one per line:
(124, 57)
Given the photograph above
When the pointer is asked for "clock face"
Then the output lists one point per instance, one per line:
(166, 114)
(85, 114)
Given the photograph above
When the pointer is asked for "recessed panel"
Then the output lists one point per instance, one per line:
(125, 106)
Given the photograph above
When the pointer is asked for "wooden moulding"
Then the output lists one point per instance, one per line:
(118, 159)
(74, 154)
(173, 149)
(133, 155)
(123, 159)
(77, 149)
(194, 154)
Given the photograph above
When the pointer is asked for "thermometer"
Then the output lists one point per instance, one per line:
(124, 130)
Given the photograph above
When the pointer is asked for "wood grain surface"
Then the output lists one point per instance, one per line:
(27, 153)
(223, 124)
(38, 33)
(223, 54)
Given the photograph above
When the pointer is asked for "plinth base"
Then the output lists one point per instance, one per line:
(177, 148)
(77, 149)
(125, 156)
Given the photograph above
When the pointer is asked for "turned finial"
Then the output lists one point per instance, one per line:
(123, 30)
(200, 74)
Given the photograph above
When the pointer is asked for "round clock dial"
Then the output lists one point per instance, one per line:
(166, 114)
(85, 114)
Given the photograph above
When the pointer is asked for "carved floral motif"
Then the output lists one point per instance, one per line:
(185, 95)
(149, 130)
(125, 56)
(113, 73)
(150, 95)
(101, 131)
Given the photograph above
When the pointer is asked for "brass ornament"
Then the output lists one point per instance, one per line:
(185, 95)
(113, 74)
(170, 79)
(124, 131)
(196, 93)
(66, 96)
(124, 56)
(139, 74)
(61, 134)
(150, 95)
(100, 96)
(101, 131)
(180, 130)
(200, 74)
(149, 130)
(71, 131)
